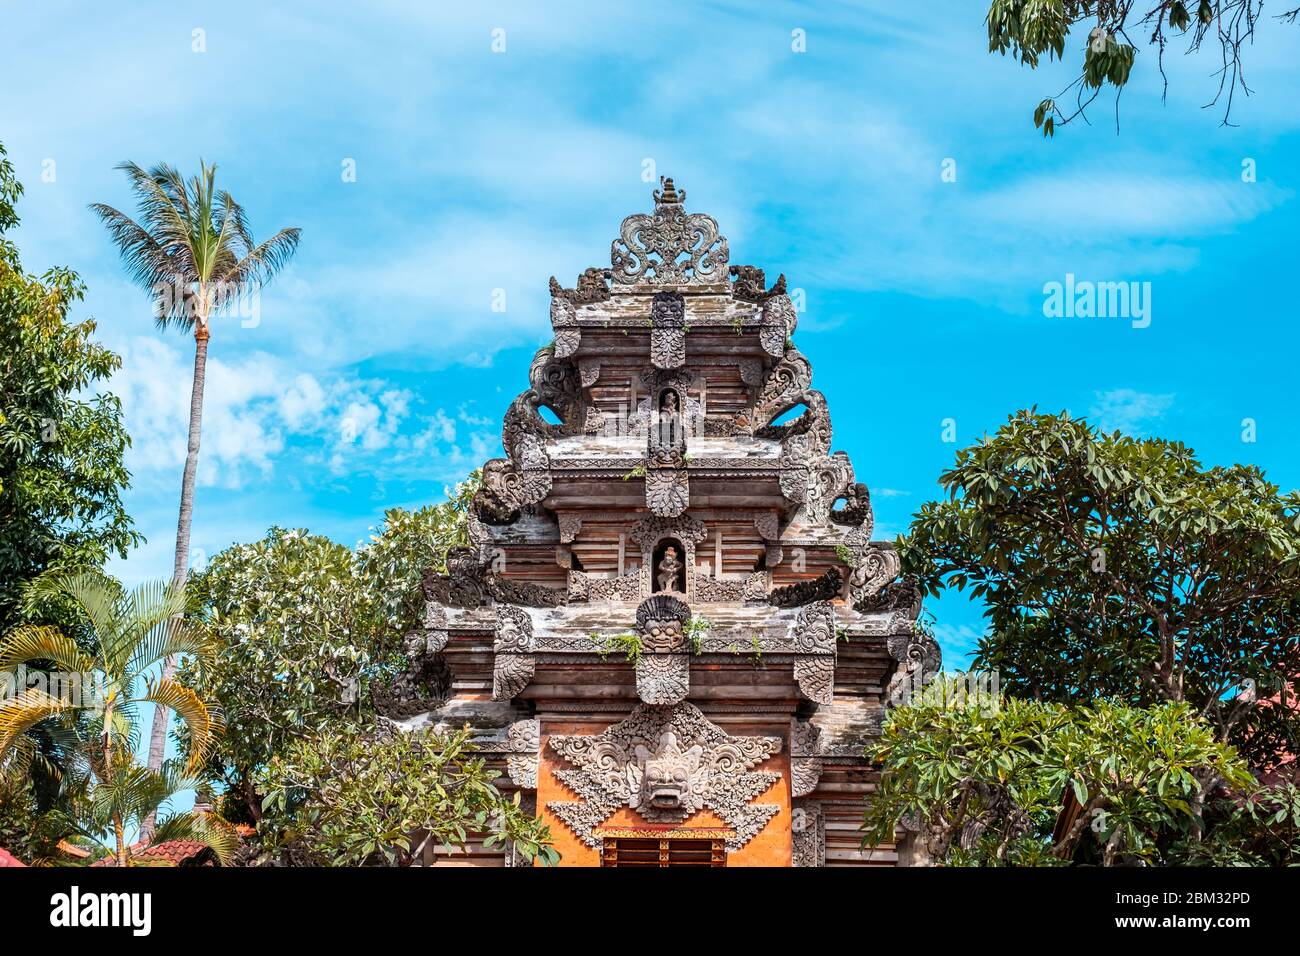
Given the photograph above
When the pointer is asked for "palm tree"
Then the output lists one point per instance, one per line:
(96, 712)
(192, 250)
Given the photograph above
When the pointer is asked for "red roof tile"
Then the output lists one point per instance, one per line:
(170, 853)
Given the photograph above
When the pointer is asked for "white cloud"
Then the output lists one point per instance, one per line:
(1127, 410)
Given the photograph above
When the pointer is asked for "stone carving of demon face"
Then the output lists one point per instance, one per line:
(663, 635)
(668, 780)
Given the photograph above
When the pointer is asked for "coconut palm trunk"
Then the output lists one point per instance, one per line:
(181, 566)
(190, 249)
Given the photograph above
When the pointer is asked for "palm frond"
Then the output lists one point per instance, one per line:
(40, 642)
(96, 594)
(203, 723)
(169, 638)
(23, 711)
(262, 263)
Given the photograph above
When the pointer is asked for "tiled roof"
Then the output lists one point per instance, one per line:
(8, 859)
(172, 852)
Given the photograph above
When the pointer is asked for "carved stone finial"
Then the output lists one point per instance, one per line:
(670, 195)
(669, 247)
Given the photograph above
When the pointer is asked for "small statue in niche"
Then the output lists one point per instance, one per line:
(670, 420)
(669, 566)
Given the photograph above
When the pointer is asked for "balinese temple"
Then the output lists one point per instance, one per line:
(672, 630)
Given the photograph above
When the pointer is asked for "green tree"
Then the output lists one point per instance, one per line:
(1031, 30)
(192, 250)
(61, 447)
(309, 630)
(1117, 567)
(1013, 782)
(97, 703)
(356, 798)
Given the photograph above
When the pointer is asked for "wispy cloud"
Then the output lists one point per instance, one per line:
(1128, 410)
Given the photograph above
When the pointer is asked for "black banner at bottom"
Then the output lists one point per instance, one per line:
(217, 908)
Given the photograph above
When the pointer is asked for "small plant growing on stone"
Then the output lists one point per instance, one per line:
(628, 642)
(696, 628)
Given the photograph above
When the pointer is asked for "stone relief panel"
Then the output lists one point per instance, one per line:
(666, 763)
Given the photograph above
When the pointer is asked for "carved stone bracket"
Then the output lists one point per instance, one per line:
(919, 659)
(570, 525)
(814, 639)
(513, 663)
(667, 491)
(522, 747)
(666, 763)
(805, 757)
(875, 567)
(779, 320)
(564, 320)
(808, 826)
(663, 672)
(668, 330)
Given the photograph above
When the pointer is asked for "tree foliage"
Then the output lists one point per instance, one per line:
(1111, 566)
(1030, 30)
(61, 446)
(1029, 783)
(358, 798)
(308, 630)
(93, 712)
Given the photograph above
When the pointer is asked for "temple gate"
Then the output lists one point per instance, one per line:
(673, 630)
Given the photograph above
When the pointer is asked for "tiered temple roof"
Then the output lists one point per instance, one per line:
(680, 570)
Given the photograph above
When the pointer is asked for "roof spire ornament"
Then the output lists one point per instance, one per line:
(670, 196)
(671, 247)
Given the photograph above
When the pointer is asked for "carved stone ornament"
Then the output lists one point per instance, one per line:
(667, 491)
(779, 320)
(750, 284)
(593, 286)
(919, 659)
(805, 757)
(856, 512)
(564, 320)
(808, 833)
(875, 567)
(663, 672)
(513, 665)
(814, 637)
(668, 330)
(669, 247)
(824, 587)
(667, 763)
(524, 739)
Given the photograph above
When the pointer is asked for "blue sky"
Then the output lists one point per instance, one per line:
(378, 373)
